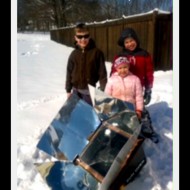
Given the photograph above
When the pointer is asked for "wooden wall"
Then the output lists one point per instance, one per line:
(153, 29)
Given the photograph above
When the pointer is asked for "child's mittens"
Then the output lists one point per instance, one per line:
(139, 114)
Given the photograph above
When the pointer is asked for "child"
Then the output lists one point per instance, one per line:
(125, 86)
(141, 66)
(141, 61)
(86, 65)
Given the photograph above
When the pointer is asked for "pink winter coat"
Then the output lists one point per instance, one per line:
(127, 89)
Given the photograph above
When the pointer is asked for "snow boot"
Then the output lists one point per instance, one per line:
(147, 130)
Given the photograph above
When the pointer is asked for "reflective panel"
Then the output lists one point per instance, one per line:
(109, 152)
(109, 139)
(102, 150)
(68, 133)
(64, 175)
(101, 140)
(125, 120)
(107, 106)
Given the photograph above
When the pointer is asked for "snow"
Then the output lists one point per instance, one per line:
(159, 11)
(41, 68)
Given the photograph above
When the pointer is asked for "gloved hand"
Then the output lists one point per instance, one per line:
(139, 114)
(147, 96)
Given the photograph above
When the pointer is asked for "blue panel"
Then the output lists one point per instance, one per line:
(107, 106)
(63, 175)
(68, 132)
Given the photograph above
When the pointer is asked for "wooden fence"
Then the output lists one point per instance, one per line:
(154, 30)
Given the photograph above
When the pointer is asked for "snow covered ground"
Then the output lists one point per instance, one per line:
(41, 68)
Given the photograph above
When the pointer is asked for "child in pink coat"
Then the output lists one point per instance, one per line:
(125, 86)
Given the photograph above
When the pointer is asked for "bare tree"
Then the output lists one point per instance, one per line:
(77, 10)
(45, 14)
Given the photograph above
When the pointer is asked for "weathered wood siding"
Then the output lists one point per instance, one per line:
(154, 31)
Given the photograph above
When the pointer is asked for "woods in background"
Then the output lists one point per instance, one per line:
(44, 15)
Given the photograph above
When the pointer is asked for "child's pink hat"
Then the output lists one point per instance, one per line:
(121, 61)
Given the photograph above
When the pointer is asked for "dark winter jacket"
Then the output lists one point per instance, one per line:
(86, 67)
